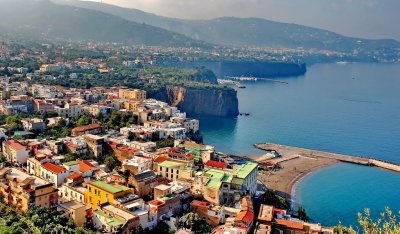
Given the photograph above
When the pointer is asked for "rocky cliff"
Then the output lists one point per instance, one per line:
(202, 101)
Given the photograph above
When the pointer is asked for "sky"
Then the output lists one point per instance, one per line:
(359, 18)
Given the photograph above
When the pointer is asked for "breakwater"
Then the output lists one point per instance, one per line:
(291, 150)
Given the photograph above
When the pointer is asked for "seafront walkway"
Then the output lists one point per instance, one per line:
(291, 150)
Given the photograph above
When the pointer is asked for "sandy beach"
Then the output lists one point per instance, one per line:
(294, 167)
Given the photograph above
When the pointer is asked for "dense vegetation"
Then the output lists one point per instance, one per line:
(37, 220)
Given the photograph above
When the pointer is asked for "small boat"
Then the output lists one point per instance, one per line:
(247, 114)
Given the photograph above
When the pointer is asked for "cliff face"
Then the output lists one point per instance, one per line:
(204, 101)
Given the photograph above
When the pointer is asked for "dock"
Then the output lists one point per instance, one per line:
(291, 150)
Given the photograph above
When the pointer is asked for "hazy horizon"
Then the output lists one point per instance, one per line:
(372, 19)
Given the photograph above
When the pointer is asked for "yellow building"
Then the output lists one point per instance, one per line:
(131, 105)
(170, 169)
(134, 94)
(100, 192)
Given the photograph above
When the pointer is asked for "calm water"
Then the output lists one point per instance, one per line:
(352, 109)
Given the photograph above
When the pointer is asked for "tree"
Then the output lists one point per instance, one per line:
(111, 162)
(193, 222)
(387, 223)
(270, 198)
(301, 213)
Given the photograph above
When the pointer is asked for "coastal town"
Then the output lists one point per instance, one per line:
(113, 160)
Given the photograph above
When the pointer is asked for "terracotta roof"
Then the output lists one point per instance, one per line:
(53, 168)
(160, 159)
(85, 128)
(212, 163)
(156, 203)
(85, 166)
(199, 203)
(74, 176)
(245, 216)
(290, 224)
(15, 144)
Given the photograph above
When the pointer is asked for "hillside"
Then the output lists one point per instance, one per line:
(244, 31)
(44, 19)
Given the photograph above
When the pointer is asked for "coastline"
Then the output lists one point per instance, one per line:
(293, 169)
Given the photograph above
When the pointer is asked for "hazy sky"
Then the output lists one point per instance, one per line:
(361, 18)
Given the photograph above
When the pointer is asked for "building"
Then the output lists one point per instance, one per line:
(100, 192)
(54, 173)
(202, 153)
(111, 219)
(170, 169)
(133, 95)
(95, 144)
(80, 213)
(145, 182)
(191, 125)
(70, 192)
(87, 129)
(24, 191)
(34, 124)
(226, 186)
(15, 152)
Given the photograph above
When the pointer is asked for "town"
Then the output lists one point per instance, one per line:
(114, 160)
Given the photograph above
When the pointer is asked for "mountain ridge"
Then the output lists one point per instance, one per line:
(235, 31)
(42, 18)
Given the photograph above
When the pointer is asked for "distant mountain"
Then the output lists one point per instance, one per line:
(244, 31)
(42, 18)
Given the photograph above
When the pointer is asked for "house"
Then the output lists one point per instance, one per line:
(202, 153)
(145, 182)
(54, 173)
(170, 169)
(99, 192)
(87, 129)
(226, 186)
(147, 219)
(23, 191)
(111, 219)
(137, 164)
(95, 144)
(71, 192)
(80, 213)
(34, 124)
(15, 152)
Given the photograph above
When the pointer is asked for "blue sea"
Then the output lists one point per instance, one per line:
(345, 108)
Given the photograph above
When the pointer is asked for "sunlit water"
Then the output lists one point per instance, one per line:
(345, 108)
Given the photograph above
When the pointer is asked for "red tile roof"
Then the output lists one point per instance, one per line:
(199, 203)
(15, 144)
(156, 203)
(85, 166)
(74, 176)
(211, 163)
(290, 224)
(160, 159)
(53, 168)
(245, 216)
(86, 128)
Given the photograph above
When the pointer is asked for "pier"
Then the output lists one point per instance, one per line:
(291, 150)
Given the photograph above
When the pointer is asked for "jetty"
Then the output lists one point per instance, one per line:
(291, 150)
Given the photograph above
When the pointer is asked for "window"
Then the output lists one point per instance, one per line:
(166, 169)
(172, 170)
